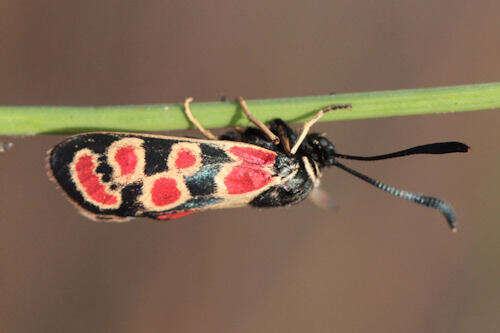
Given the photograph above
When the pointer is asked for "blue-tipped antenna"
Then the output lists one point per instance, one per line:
(424, 200)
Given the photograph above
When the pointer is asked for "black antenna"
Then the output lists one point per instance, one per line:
(433, 148)
(420, 199)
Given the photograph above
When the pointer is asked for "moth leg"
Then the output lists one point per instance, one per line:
(307, 125)
(285, 140)
(257, 122)
(187, 111)
(285, 134)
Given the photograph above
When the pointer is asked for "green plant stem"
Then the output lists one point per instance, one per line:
(31, 120)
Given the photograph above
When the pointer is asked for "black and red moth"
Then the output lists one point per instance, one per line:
(115, 176)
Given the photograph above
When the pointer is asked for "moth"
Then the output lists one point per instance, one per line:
(117, 176)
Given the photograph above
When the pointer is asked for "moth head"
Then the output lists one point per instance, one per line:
(320, 149)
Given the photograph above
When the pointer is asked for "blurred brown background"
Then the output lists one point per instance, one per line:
(378, 264)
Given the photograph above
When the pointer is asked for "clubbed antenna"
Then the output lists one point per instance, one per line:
(427, 201)
(433, 148)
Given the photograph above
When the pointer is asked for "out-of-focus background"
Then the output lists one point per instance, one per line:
(376, 264)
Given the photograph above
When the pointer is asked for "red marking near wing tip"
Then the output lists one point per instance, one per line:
(246, 178)
(185, 159)
(249, 176)
(165, 191)
(252, 155)
(126, 159)
(85, 171)
(175, 215)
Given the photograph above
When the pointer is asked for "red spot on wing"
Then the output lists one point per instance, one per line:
(85, 171)
(165, 191)
(185, 159)
(126, 159)
(250, 175)
(246, 178)
(254, 156)
(175, 215)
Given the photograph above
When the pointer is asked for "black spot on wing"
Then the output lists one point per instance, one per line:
(213, 155)
(202, 182)
(157, 151)
(130, 205)
(105, 170)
